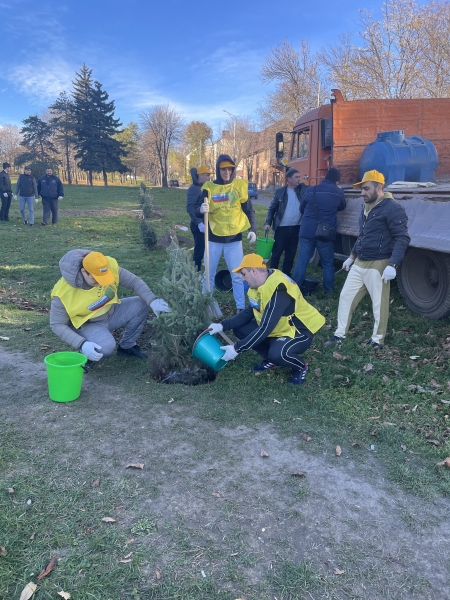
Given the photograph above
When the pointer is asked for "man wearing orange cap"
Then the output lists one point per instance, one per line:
(85, 307)
(194, 198)
(374, 259)
(278, 322)
(230, 214)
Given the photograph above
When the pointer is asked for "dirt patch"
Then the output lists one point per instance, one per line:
(213, 495)
(76, 212)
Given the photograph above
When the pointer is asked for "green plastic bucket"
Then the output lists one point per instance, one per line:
(207, 350)
(65, 375)
(264, 246)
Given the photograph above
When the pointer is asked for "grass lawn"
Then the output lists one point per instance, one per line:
(208, 517)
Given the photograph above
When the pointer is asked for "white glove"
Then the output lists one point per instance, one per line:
(36, 200)
(204, 208)
(60, 197)
(14, 196)
(266, 227)
(159, 305)
(230, 353)
(251, 236)
(348, 263)
(89, 349)
(388, 274)
(201, 227)
(215, 328)
(5, 194)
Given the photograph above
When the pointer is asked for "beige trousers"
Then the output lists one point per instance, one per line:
(365, 276)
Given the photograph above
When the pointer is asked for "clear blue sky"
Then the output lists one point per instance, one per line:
(202, 57)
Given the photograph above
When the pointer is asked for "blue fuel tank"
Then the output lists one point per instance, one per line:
(400, 157)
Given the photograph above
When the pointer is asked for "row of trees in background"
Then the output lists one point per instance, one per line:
(403, 54)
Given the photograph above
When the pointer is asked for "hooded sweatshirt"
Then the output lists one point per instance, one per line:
(230, 207)
(70, 266)
(194, 197)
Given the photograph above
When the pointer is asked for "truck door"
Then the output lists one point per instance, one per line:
(300, 157)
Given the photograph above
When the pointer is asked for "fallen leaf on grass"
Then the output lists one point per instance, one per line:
(27, 329)
(158, 575)
(445, 401)
(32, 535)
(385, 379)
(356, 444)
(276, 401)
(434, 384)
(403, 447)
(317, 372)
(434, 442)
(11, 490)
(338, 450)
(264, 454)
(300, 473)
(28, 591)
(48, 569)
(108, 520)
(171, 400)
(135, 466)
(127, 556)
(338, 571)
(3, 551)
(374, 418)
(306, 437)
(130, 541)
(125, 560)
(5, 339)
(216, 494)
(444, 463)
(375, 431)
(96, 483)
(368, 367)
(339, 356)
(64, 595)
(44, 347)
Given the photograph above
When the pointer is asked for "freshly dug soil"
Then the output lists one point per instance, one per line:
(194, 375)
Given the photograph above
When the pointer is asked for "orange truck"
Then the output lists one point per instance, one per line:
(337, 134)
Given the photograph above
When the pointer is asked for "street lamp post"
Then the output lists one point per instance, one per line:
(234, 133)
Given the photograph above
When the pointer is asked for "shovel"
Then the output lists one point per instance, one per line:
(213, 310)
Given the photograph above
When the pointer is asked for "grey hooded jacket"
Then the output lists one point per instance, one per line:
(70, 267)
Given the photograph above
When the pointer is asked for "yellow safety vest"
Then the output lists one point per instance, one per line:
(82, 305)
(307, 314)
(226, 216)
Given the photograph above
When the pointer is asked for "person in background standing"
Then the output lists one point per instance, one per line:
(26, 188)
(321, 203)
(51, 189)
(194, 198)
(5, 191)
(284, 216)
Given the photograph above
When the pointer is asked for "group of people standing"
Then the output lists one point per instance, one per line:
(49, 187)
(278, 323)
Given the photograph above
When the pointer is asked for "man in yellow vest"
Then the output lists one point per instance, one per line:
(278, 322)
(85, 307)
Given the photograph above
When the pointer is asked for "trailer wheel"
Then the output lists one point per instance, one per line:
(424, 282)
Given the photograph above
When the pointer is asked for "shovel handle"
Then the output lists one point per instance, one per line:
(226, 338)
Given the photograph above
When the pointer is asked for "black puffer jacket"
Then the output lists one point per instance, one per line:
(5, 183)
(194, 197)
(279, 202)
(50, 186)
(383, 233)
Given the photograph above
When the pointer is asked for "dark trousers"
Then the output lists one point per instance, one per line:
(50, 205)
(282, 351)
(199, 245)
(286, 240)
(4, 211)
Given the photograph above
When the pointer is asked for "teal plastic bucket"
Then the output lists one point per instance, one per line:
(264, 246)
(65, 375)
(207, 350)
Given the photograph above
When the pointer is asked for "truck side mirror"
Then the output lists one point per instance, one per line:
(279, 145)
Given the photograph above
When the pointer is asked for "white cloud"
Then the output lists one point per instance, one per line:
(42, 79)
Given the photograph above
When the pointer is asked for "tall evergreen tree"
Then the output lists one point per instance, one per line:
(98, 149)
(63, 123)
(37, 139)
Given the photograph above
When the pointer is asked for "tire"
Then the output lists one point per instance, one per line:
(424, 282)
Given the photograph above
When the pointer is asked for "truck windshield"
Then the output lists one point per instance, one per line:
(300, 145)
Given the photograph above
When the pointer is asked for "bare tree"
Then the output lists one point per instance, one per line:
(389, 61)
(436, 37)
(10, 139)
(166, 127)
(300, 84)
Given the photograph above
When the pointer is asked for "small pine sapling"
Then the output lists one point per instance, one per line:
(148, 235)
(181, 286)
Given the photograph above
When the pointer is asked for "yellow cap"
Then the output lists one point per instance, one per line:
(251, 261)
(204, 169)
(226, 163)
(96, 264)
(371, 176)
